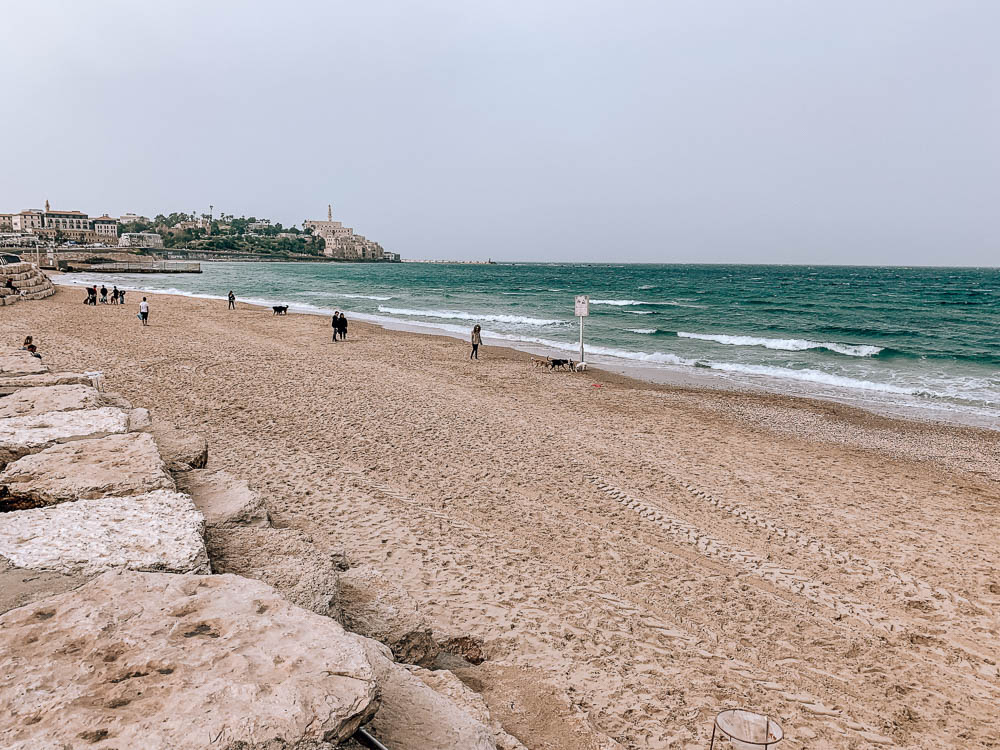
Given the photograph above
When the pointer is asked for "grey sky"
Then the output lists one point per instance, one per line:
(820, 132)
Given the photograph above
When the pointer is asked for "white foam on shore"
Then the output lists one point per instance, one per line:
(641, 330)
(815, 376)
(789, 345)
(462, 315)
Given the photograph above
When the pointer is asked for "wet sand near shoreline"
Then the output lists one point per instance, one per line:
(633, 557)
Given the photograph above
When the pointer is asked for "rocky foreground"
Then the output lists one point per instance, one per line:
(146, 601)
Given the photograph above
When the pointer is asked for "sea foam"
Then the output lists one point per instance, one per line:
(788, 345)
(461, 315)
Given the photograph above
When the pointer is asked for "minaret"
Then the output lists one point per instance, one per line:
(46, 206)
(329, 211)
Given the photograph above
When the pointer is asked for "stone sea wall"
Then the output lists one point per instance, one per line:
(146, 601)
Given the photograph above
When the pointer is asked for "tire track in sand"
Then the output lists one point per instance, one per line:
(658, 629)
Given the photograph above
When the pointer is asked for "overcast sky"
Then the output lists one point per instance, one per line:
(743, 131)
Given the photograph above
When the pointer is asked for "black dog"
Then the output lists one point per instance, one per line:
(280, 309)
(559, 363)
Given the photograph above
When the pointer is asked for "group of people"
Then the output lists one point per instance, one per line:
(339, 324)
(117, 296)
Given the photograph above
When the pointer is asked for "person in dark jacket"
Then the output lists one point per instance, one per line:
(335, 324)
(342, 326)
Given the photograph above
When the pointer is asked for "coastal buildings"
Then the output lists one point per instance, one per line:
(341, 243)
(132, 219)
(64, 225)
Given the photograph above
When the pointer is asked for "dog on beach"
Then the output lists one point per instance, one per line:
(536, 363)
(280, 309)
(561, 364)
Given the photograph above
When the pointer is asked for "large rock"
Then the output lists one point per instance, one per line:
(20, 436)
(159, 531)
(445, 683)
(223, 499)
(376, 607)
(14, 382)
(169, 662)
(39, 400)
(21, 363)
(182, 450)
(117, 465)
(415, 717)
(19, 587)
(283, 558)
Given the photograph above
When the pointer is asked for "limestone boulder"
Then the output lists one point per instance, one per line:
(13, 382)
(223, 499)
(178, 662)
(116, 465)
(20, 363)
(20, 436)
(157, 531)
(446, 684)
(415, 717)
(371, 604)
(19, 586)
(182, 450)
(39, 400)
(283, 558)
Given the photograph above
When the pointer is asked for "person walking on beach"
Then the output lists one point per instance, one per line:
(104, 295)
(121, 296)
(477, 339)
(335, 323)
(114, 296)
(232, 300)
(144, 312)
(342, 327)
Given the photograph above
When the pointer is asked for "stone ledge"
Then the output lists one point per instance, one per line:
(157, 531)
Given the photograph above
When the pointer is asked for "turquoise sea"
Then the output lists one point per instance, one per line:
(925, 341)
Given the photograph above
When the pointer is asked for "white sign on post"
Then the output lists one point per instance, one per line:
(582, 311)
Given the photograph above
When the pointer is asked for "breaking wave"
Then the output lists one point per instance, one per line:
(788, 345)
(461, 315)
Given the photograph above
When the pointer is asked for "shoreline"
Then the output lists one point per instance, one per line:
(641, 555)
(676, 376)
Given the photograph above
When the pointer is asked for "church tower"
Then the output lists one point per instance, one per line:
(46, 206)
(329, 212)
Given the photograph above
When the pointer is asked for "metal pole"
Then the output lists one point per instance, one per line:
(581, 338)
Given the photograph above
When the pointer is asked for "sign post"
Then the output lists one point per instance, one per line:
(582, 311)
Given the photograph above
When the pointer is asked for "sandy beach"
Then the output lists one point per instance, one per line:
(633, 558)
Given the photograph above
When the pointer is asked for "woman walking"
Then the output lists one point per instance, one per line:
(232, 300)
(335, 323)
(342, 327)
(477, 339)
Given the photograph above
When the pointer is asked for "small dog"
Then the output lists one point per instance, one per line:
(280, 309)
(536, 363)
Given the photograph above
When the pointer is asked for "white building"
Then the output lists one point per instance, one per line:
(140, 239)
(132, 219)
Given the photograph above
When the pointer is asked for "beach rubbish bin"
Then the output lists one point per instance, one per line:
(746, 730)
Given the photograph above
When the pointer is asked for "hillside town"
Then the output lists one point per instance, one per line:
(185, 236)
